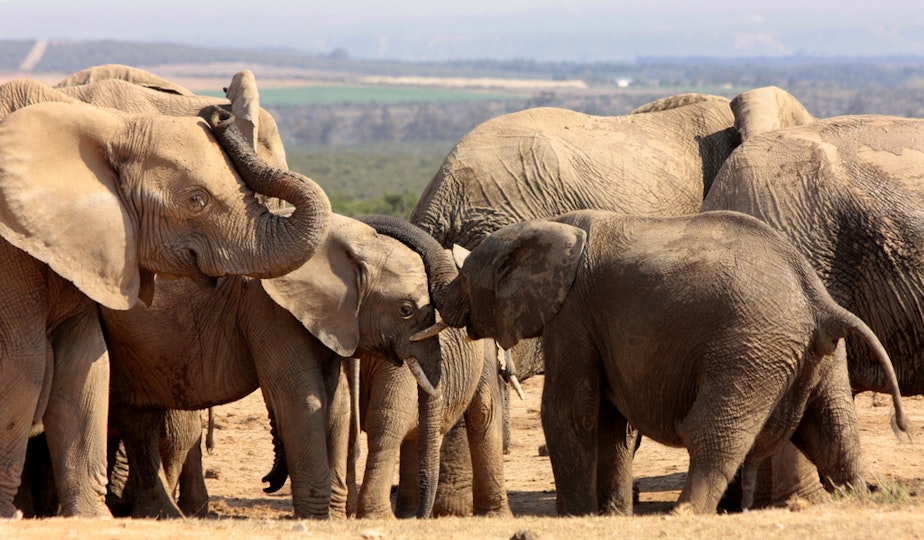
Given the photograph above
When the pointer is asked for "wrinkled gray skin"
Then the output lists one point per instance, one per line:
(847, 191)
(708, 332)
(176, 464)
(470, 390)
(542, 162)
(192, 215)
(362, 294)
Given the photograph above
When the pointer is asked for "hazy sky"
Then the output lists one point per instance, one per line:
(589, 29)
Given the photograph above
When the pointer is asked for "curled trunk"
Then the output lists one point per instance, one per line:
(439, 264)
(281, 243)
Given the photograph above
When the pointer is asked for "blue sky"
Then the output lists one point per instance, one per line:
(591, 30)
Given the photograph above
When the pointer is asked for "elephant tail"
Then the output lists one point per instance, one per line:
(843, 322)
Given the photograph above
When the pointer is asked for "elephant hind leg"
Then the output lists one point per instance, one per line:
(718, 432)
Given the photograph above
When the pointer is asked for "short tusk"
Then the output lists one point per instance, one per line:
(429, 332)
(422, 380)
(515, 383)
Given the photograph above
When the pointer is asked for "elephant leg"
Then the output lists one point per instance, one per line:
(407, 498)
(484, 423)
(338, 437)
(298, 399)
(194, 495)
(21, 389)
(616, 444)
(718, 431)
(75, 420)
(387, 421)
(148, 492)
(828, 433)
(454, 491)
(570, 403)
(38, 497)
(181, 455)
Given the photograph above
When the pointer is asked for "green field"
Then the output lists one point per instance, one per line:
(339, 95)
(384, 178)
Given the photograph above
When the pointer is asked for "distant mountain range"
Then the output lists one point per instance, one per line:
(856, 72)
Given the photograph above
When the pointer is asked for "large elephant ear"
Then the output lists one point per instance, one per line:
(60, 198)
(324, 293)
(765, 109)
(245, 104)
(532, 265)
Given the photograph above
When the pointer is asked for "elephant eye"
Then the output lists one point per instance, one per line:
(196, 202)
(406, 310)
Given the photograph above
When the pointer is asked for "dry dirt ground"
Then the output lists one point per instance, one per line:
(241, 510)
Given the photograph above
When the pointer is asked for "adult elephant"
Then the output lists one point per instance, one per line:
(848, 192)
(362, 294)
(94, 203)
(709, 332)
(106, 89)
(542, 162)
(130, 74)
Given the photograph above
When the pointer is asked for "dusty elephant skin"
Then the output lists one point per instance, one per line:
(64, 163)
(718, 337)
(543, 162)
(362, 294)
(847, 192)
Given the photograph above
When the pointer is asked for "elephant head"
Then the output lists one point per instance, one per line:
(513, 283)
(765, 109)
(107, 199)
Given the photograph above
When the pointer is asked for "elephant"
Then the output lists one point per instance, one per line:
(362, 294)
(152, 195)
(847, 192)
(470, 390)
(130, 74)
(658, 160)
(708, 331)
(132, 97)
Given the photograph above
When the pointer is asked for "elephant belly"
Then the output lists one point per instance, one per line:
(651, 416)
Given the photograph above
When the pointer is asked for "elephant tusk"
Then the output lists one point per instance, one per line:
(422, 380)
(515, 383)
(430, 332)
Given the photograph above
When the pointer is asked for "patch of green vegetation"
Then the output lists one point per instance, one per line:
(385, 178)
(340, 95)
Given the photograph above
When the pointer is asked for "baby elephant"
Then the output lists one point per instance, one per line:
(708, 332)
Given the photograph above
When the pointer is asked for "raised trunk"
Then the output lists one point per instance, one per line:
(281, 244)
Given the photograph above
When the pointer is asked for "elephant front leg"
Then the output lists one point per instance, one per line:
(484, 424)
(76, 417)
(570, 403)
(20, 389)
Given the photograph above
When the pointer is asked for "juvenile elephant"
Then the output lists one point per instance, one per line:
(94, 203)
(709, 332)
(847, 191)
(362, 294)
(658, 160)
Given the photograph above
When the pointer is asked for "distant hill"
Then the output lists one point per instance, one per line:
(887, 72)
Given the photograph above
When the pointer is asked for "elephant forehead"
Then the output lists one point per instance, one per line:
(404, 269)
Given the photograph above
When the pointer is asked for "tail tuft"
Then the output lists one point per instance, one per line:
(899, 423)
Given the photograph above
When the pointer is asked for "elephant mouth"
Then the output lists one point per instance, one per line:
(190, 264)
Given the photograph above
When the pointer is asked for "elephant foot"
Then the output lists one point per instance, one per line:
(95, 511)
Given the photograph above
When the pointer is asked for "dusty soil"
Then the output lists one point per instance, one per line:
(241, 510)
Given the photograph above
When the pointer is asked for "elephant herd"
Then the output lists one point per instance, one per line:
(719, 275)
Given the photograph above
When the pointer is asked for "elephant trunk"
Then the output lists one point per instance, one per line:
(429, 440)
(281, 243)
(440, 266)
